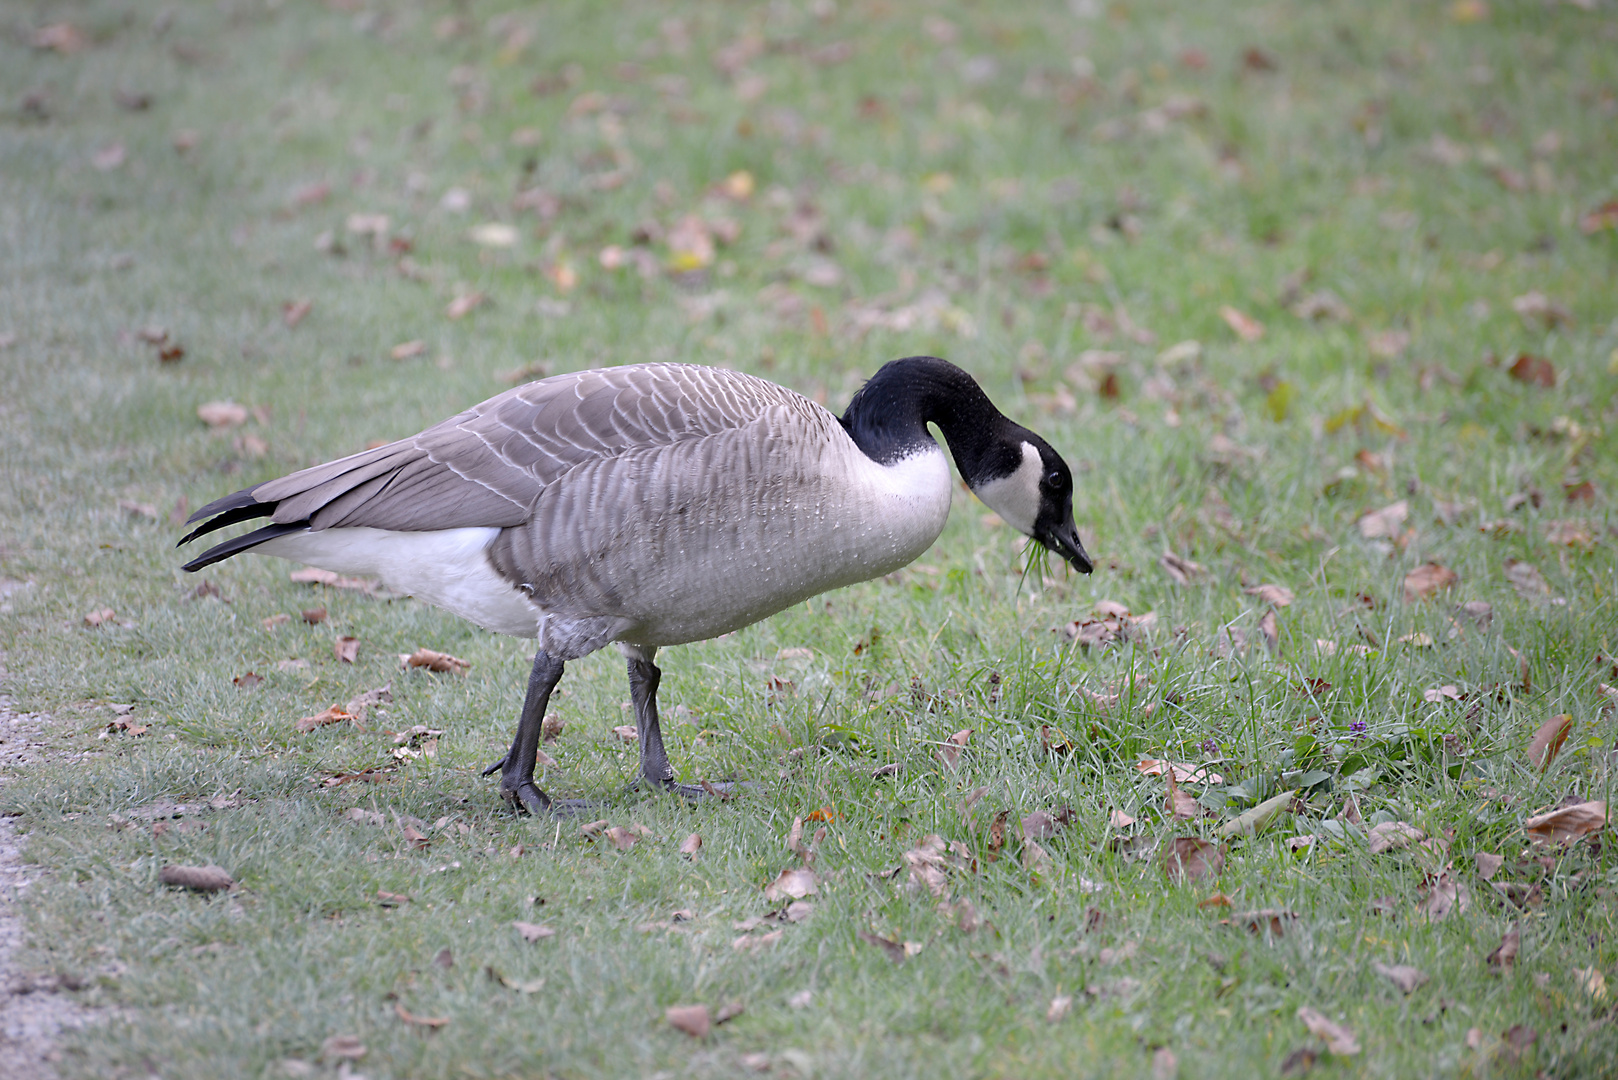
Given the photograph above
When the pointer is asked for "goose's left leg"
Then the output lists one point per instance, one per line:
(516, 769)
(644, 677)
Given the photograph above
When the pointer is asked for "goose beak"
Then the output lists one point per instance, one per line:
(1064, 540)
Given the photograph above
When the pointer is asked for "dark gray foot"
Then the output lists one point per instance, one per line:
(516, 769)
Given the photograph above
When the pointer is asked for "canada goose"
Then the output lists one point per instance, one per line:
(652, 505)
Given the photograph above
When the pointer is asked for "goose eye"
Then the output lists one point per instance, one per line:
(1054, 479)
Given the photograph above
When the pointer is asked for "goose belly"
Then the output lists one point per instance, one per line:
(448, 568)
(690, 560)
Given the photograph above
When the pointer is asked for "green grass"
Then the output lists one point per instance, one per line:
(1033, 183)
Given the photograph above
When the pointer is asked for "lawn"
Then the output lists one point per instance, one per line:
(1318, 300)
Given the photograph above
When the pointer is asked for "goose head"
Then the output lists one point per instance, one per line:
(1029, 485)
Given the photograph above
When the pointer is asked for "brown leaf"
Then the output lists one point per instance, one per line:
(951, 751)
(1533, 370)
(532, 932)
(1442, 898)
(347, 648)
(1394, 835)
(332, 715)
(1526, 579)
(199, 878)
(1427, 579)
(248, 680)
(1190, 859)
(437, 661)
(294, 312)
(61, 37)
(316, 576)
(1276, 922)
(1566, 824)
(1505, 954)
(391, 899)
(882, 771)
(691, 846)
(1279, 595)
(1269, 631)
(463, 305)
(1182, 570)
(1535, 306)
(1384, 522)
(1406, 978)
(1245, 326)
(623, 839)
(407, 349)
(1547, 741)
(1059, 1008)
(1043, 825)
(1339, 1040)
(730, 1010)
(627, 732)
(894, 949)
(796, 883)
(691, 1019)
(1183, 774)
(1180, 804)
(347, 1047)
(927, 863)
(997, 836)
(99, 617)
(222, 414)
(419, 1021)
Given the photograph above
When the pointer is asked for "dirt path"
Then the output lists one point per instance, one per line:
(32, 1010)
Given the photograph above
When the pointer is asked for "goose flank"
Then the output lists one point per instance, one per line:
(651, 505)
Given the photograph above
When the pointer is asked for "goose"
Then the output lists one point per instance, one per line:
(651, 505)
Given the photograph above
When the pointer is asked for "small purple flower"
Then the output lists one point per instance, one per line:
(1358, 728)
(1210, 746)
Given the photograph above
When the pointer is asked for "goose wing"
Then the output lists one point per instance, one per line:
(489, 465)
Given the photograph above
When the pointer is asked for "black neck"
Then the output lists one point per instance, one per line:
(888, 417)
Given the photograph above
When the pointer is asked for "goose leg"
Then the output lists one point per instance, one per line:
(517, 767)
(644, 677)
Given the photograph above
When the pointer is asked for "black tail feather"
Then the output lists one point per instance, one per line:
(241, 543)
(227, 517)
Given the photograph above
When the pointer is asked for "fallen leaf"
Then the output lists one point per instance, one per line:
(1180, 804)
(1182, 570)
(1060, 1006)
(1119, 820)
(1547, 741)
(1279, 595)
(1592, 982)
(627, 732)
(1526, 579)
(313, 575)
(1567, 824)
(1269, 632)
(347, 1047)
(494, 234)
(623, 839)
(927, 863)
(1505, 954)
(950, 752)
(347, 648)
(1043, 825)
(1189, 859)
(895, 950)
(692, 845)
(1339, 1040)
(248, 680)
(1406, 978)
(1533, 370)
(109, 157)
(1394, 835)
(332, 715)
(532, 932)
(463, 305)
(1183, 774)
(62, 37)
(391, 899)
(593, 828)
(730, 1010)
(437, 661)
(419, 1021)
(1535, 306)
(884, 771)
(1274, 922)
(796, 883)
(222, 414)
(99, 617)
(1216, 900)
(198, 878)
(1384, 522)
(691, 1019)
(1488, 865)
(1245, 326)
(752, 944)
(407, 349)
(1442, 898)
(294, 312)
(1427, 579)
(997, 836)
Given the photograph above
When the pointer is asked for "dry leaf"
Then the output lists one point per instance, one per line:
(1182, 570)
(1183, 774)
(1059, 1008)
(927, 863)
(1567, 824)
(894, 949)
(1279, 595)
(1043, 825)
(347, 648)
(997, 836)
(1384, 522)
(1394, 835)
(294, 312)
(1275, 922)
(316, 576)
(692, 845)
(198, 878)
(796, 883)
(691, 1019)
(463, 305)
(623, 839)
(1526, 579)
(332, 715)
(391, 899)
(1180, 804)
(1245, 326)
(420, 1021)
(532, 932)
(1427, 579)
(1339, 1040)
(99, 617)
(407, 349)
(347, 1047)
(1547, 741)
(1269, 631)
(1119, 820)
(1592, 982)
(1442, 898)
(1533, 370)
(1535, 306)
(1505, 954)
(222, 414)
(951, 750)
(436, 661)
(1406, 978)
(1189, 859)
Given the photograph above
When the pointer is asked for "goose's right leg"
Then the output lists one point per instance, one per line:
(517, 767)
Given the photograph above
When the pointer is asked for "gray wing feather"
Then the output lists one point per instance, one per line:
(490, 465)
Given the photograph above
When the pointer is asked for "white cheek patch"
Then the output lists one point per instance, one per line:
(1016, 497)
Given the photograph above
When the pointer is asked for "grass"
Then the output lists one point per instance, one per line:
(1045, 195)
